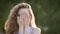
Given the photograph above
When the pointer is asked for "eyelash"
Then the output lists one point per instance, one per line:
(18, 15)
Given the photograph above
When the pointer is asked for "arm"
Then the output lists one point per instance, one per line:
(26, 31)
(20, 23)
(21, 30)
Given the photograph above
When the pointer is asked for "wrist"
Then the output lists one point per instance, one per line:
(20, 25)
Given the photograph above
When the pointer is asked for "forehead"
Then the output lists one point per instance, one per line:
(24, 10)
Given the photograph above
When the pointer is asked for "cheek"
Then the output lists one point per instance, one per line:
(28, 19)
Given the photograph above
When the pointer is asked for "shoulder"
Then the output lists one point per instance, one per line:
(36, 30)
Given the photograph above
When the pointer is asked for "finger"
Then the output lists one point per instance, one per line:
(18, 18)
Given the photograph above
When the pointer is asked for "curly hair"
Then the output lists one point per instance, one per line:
(11, 25)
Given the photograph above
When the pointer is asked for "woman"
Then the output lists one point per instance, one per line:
(21, 20)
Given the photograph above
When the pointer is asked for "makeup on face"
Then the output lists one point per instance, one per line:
(24, 14)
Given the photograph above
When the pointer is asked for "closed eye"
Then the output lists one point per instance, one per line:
(18, 15)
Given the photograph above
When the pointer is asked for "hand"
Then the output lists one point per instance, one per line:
(26, 21)
(19, 21)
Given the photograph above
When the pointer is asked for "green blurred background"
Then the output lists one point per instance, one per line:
(47, 14)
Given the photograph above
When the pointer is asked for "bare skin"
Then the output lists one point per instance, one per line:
(23, 20)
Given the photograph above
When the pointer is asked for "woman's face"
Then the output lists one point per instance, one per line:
(24, 15)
